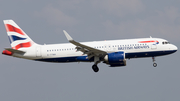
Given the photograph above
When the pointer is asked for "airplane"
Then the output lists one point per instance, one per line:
(111, 52)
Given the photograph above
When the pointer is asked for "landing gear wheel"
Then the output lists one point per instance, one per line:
(95, 68)
(154, 64)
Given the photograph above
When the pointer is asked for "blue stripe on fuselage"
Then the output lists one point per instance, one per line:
(148, 54)
(84, 58)
(67, 59)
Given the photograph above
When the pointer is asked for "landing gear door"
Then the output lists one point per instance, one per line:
(38, 51)
(153, 46)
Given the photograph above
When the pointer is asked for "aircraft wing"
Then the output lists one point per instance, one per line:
(90, 51)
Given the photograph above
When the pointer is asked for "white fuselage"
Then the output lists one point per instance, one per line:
(143, 47)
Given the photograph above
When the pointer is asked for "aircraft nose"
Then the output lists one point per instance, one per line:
(175, 48)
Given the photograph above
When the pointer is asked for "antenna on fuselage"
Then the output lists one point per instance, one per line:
(150, 37)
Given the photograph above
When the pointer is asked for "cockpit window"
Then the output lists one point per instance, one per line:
(165, 42)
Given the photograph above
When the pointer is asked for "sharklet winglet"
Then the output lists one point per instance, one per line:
(68, 36)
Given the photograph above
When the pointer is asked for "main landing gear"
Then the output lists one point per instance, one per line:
(154, 64)
(95, 68)
(96, 61)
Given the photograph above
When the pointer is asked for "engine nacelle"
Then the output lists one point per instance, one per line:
(115, 59)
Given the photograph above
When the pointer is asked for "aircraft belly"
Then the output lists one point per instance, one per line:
(148, 54)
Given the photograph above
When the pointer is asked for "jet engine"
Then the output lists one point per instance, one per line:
(115, 59)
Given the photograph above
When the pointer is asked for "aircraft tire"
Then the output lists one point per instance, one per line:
(95, 68)
(154, 64)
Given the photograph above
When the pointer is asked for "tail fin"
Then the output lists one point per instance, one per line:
(17, 37)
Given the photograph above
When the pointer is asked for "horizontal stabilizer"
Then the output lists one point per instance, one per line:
(15, 51)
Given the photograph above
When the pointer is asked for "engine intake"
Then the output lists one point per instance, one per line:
(115, 59)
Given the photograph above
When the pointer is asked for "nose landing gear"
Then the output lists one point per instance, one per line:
(154, 64)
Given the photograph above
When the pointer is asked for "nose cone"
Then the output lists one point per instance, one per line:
(174, 48)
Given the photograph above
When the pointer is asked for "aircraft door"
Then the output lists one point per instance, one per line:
(38, 51)
(153, 46)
